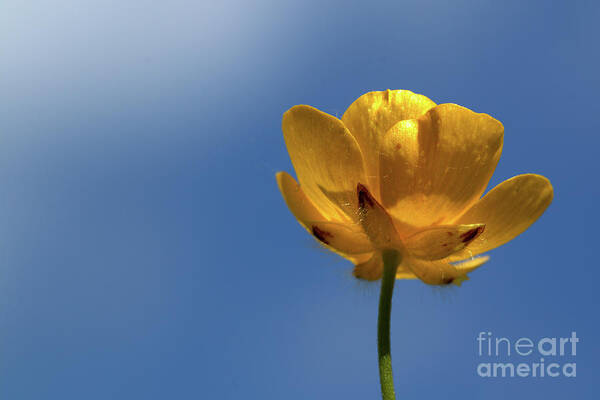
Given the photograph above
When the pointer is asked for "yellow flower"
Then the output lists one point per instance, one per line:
(400, 172)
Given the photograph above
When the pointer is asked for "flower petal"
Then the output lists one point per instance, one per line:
(300, 205)
(358, 258)
(347, 239)
(327, 160)
(442, 241)
(343, 239)
(440, 272)
(372, 269)
(372, 114)
(376, 222)
(472, 264)
(507, 210)
(434, 167)
(404, 273)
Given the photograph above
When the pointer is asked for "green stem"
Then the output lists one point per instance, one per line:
(391, 259)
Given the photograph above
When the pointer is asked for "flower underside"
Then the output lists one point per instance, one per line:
(399, 172)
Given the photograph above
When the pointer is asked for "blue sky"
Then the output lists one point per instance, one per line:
(145, 251)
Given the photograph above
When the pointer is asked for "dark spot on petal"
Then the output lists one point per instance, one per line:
(445, 245)
(471, 234)
(398, 146)
(364, 196)
(321, 234)
(447, 281)
(449, 233)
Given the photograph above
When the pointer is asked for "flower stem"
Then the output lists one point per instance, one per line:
(391, 259)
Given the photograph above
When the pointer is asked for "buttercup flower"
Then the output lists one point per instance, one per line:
(400, 172)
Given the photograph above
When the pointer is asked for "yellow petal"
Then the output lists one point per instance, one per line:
(440, 272)
(372, 114)
(436, 166)
(472, 264)
(369, 270)
(372, 269)
(441, 241)
(359, 258)
(300, 205)
(345, 238)
(327, 160)
(376, 222)
(404, 273)
(507, 211)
